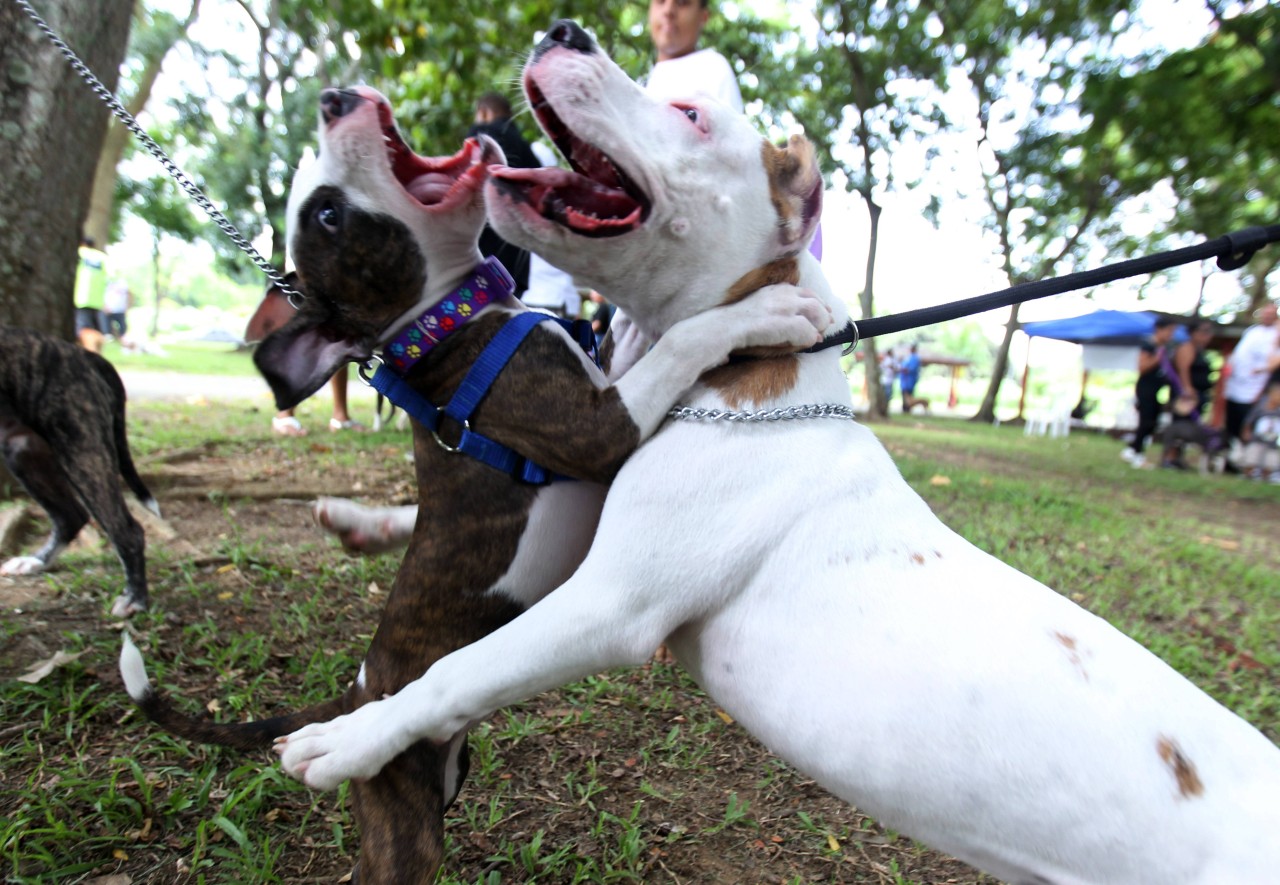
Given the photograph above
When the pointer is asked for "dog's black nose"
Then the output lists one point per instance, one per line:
(335, 103)
(568, 34)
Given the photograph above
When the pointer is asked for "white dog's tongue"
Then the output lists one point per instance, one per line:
(429, 189)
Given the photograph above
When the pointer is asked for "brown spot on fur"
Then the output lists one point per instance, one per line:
(1073, 653)
(774, 372)
(754, 382)
(780, 270)
(1184, 772)
(917, 558)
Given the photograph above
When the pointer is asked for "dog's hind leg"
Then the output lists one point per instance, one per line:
(33, 463)
(93, 474)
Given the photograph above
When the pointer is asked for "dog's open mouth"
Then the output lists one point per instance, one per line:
(596, 199)
(435, 181)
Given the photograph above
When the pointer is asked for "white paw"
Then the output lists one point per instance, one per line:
(22, 565)
(361, 529)
(783, 315)
(124, 606)
(357, 745)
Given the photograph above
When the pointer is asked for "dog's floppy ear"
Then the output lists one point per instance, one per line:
(272, 313)
(297, 359)
(795, 186)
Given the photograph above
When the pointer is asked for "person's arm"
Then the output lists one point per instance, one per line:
(1183, 357)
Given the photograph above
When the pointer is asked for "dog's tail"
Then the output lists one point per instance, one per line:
(254, 735)
(124, 460)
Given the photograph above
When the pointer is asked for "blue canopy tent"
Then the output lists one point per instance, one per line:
(1117, 327)
(1114, 328)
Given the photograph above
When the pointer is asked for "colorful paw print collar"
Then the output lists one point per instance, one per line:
(488, 283)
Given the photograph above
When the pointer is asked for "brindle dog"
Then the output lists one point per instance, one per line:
(62, 432)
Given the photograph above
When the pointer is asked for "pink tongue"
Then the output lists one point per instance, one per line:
(430, 188)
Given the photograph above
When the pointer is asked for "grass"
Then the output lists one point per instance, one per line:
(628, 776)
(188, 357)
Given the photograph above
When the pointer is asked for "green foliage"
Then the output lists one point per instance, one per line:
(1205, 121)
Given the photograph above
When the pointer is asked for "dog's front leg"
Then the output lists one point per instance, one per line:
(578, 630)
(781, 317)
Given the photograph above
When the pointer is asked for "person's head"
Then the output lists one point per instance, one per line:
(675, 26)
(1266, 314)
(1164, 330)
(87, 242)
(492, 107)
(1202, 334)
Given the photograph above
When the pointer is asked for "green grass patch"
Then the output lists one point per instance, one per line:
(627, 776)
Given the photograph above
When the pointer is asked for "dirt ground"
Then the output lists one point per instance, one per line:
(217, 501)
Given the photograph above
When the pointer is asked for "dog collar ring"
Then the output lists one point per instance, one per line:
(466, 428)
(366, 369)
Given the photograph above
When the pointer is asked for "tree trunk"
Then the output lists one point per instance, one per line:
(49, 143)
(102, 200)
(879, 406)
(987, 411)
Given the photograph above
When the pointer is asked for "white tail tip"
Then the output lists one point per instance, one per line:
(133, 670)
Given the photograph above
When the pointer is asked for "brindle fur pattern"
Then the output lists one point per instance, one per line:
(62, 433)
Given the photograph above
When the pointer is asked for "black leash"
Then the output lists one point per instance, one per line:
(1233, 251)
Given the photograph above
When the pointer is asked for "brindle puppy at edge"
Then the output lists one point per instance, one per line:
(62, 435)
(374, 246)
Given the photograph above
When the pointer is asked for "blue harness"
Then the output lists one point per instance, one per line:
(479, 379)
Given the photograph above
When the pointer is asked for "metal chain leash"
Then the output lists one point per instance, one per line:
(223, 223)
(792, 413)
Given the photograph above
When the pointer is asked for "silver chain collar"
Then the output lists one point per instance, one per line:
(224, 224)
(791, 413)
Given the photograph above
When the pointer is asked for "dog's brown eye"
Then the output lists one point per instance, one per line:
(692, 114)
(329, 217)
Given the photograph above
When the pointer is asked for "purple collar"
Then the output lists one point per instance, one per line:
(487, 283)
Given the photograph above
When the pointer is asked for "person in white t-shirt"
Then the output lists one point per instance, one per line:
(682, 69)
(1251, 363)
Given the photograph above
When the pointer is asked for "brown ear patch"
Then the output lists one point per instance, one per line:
(1184, 772)
(794, 184)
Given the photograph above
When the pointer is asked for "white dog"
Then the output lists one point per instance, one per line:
(797, 576)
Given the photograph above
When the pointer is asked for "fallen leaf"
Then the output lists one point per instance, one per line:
(939, 480)
(213, 706)
(1244, 661)
(120, 854)
(1220, 543)
(374, 589)
(114, 879)
(44, 668)
(728, 720)
(225, 595)
(832, 842)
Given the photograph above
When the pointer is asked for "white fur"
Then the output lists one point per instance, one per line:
(133, 670)
(814, 595)
(28, 565)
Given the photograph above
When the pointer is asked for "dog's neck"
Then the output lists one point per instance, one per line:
(414, 335)
(800, 270)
